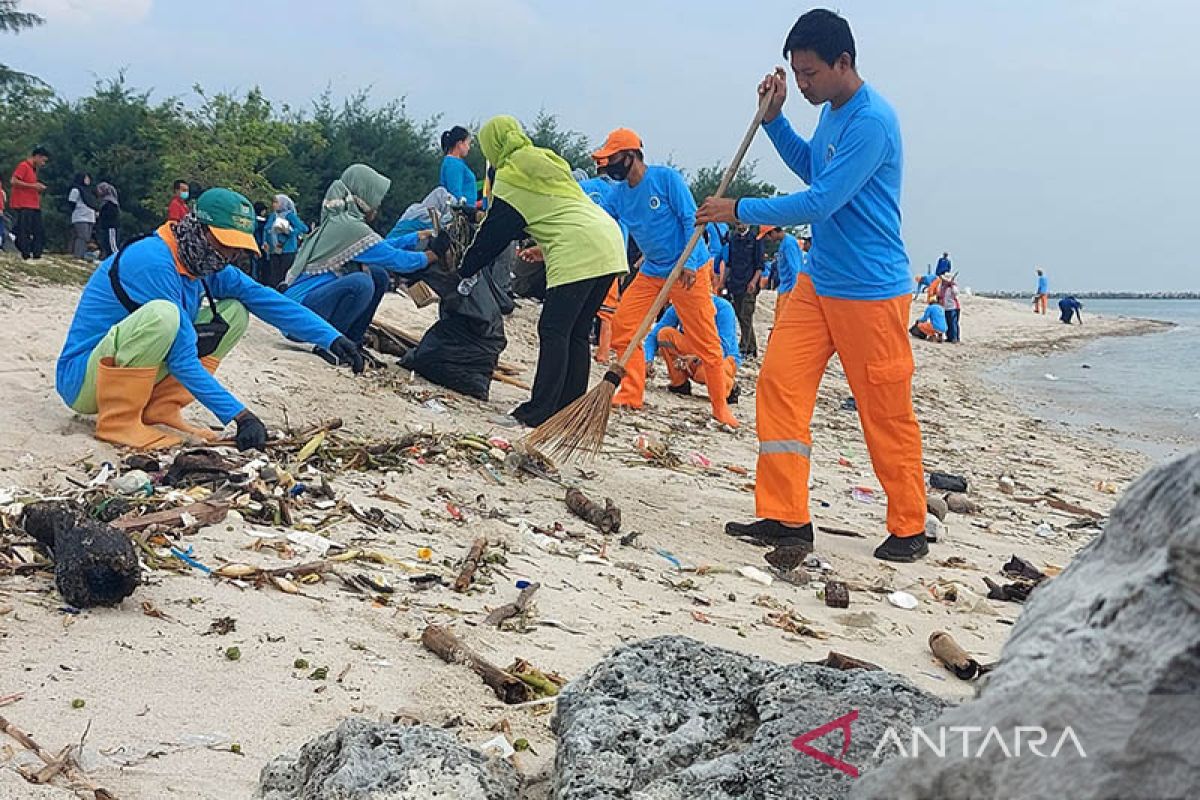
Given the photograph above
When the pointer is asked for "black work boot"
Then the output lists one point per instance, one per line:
(905, 549)
(683, 388)
(770, 533)
(734, 394)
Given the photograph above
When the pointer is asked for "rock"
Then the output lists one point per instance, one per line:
(1109, 650)
(935, 505)
(960, 503)
(364, 760)
(673, 719)
(837, 594)
(935, 529)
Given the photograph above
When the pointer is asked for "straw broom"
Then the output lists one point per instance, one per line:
(578, 430)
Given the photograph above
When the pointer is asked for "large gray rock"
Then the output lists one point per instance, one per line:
(1109, 649)
(363, 760)
(671, 718)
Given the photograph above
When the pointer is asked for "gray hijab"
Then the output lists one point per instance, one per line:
(286, 206)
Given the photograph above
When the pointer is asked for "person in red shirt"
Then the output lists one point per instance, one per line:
(178, 207)
(27, 203)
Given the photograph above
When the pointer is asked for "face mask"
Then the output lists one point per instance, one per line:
(618, 170)
(183, 195)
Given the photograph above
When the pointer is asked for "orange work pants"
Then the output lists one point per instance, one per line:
(1039, 303)
(871, 339)
(675, 345)
(697, 315)
(780, 301)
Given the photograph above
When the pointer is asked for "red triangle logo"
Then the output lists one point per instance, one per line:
(842, 723)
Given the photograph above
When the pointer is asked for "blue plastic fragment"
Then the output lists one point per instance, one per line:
(522, 584)
(186, 557)
(670, 557)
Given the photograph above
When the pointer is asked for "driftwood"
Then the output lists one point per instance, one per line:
(63, 762)
(509, 610)
(606, 518)
(446, 646)
(289, 441)
(837, 660)
(94, 564)
(954, 657)
(463, 581)
(205, 512)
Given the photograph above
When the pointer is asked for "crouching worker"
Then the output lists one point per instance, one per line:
(682, 352)
(932, 324)
(156, 319)
(341, 272)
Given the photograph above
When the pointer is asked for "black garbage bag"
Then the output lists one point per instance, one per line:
(461, 350)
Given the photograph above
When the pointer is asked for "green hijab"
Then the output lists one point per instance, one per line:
(518, 163)
(343, 233)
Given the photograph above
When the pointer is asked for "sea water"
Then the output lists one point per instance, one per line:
(1145, 388)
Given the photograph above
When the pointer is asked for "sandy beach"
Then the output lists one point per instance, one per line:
(163, 705)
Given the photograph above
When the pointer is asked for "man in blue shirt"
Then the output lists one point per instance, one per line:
(854, 302)
(155, 320)
(678, 350)
(1043, 293)
(790, 261)
(932, 325)
(943, 265)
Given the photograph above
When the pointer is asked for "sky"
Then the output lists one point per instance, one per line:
(1056, 133)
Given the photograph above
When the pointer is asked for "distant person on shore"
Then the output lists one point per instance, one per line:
(932, 324)
(948, 299)
(1042, 296)
(456, 176)
(923, 281)
(3, 219)
(1069, 308)
(177, 209)
(108, 219)
(26, 202)
(740, 280)
(282, 237)
(82, 202)
(943, 265)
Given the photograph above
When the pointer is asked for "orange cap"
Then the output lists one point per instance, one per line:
(766, 229)
(618, 140)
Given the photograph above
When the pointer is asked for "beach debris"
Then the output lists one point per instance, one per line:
(902, 600)
(837, 594)
(134, 481)
(65, 763)
(953, 656)
(205, 512)
(1015, 592)
(543, 684)
(848, 404)
(936, 505)
(863, 494)
(1045, 530)
(474, 557)
(797, 576)
(947, 482)
(1050, 377)
(1018, 568)
(842, 661)
(1007, 484)
(607, 518)
(787, 559)
(755, 574)
(233, 653)
(94, 564)
(221, 626)
(446, 646)
(518, 608)
(935, 529)
(961, 504)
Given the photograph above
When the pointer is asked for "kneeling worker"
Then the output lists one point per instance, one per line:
(681, 351)
(155, 320)
(932, 324)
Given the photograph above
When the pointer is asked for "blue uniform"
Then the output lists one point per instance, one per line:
(660, 215)
(718, 244)
(790, 261)
(394, 255)
(458, 179)
(1043, 285)
(936, 316)
(148, 272)
(289, 243)
(727, 330)
(853, 167)
(597, 188)
(943, 266)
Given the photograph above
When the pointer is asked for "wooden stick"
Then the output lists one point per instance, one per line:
(463, 581)
(447, 647)
(509, 610)
(206, 512)
(291, 441)
(836, 660)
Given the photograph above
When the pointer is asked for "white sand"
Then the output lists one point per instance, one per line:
(149, 684)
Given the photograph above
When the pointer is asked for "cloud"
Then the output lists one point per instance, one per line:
(84, 11)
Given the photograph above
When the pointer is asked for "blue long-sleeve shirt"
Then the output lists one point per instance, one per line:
(790, 261)
(395, 255)
(149, 272)
(289, 243)
(1043, 286)
(727, 330)
(660, 214)
(853, 167)
(458, 179)
(718, 244)
(936, 316)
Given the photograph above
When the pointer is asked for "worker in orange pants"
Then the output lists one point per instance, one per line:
(603, 353)
(678, 349)
(854, 300)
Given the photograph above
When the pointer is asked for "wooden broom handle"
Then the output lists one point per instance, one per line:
(665, 291)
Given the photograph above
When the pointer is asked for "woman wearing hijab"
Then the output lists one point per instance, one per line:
(535, 195)
(83, 213)
(342, 270)
(456, 177)
(282, 236)
(419, 216)
(108, 220)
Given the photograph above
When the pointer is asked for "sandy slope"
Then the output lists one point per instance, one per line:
(150, 684)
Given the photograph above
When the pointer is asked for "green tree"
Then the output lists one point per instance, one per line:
(573, 146)
(745, 183)
(14, 20)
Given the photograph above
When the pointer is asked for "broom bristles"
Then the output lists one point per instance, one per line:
(578, 430)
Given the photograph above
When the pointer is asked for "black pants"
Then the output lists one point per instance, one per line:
(564, 355)
(743, 306)
(31, 234)
(276, 271)
(106, 238)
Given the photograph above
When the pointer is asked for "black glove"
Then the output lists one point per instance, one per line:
(346, 352)
(440, 244)
(251, 433)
